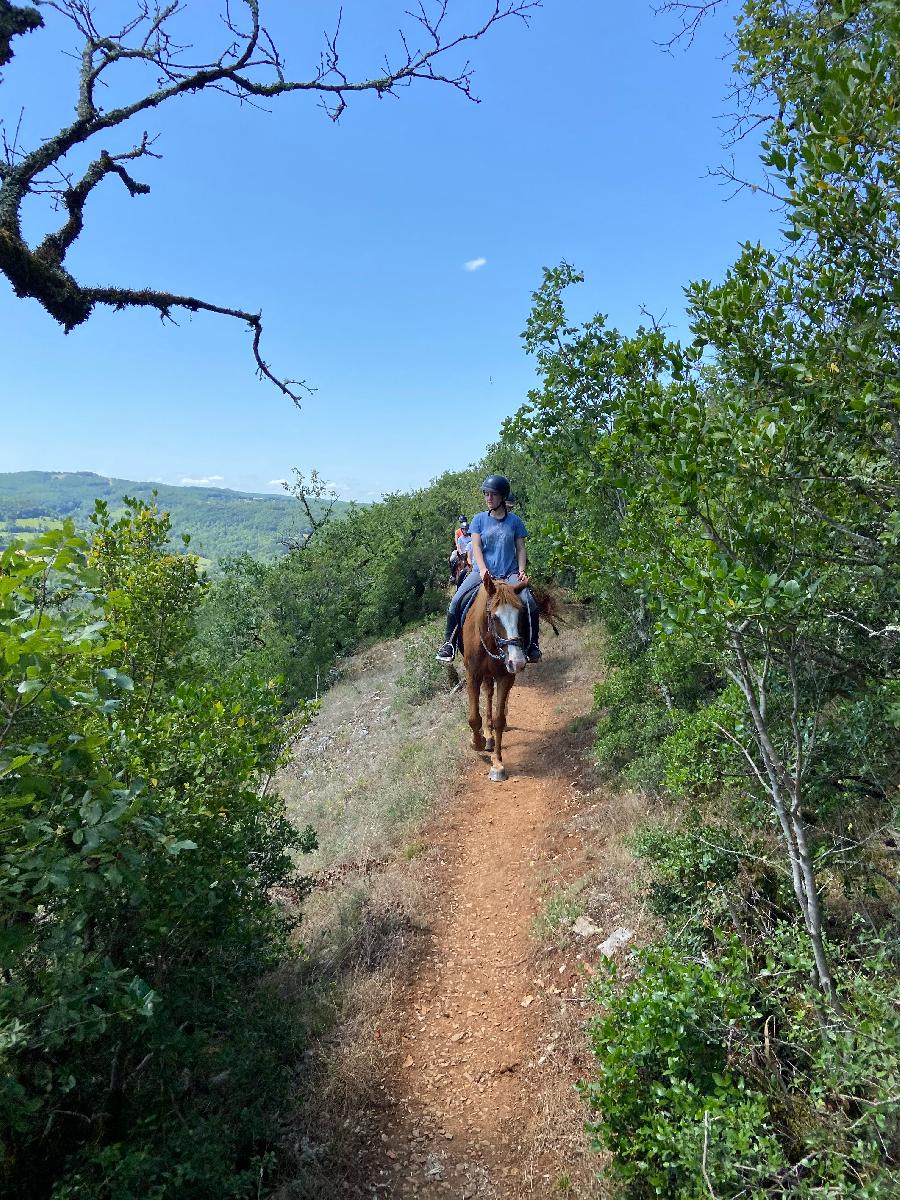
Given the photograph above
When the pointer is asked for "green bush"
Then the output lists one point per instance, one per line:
(140, 843)
(839, 1080)
(670, 1104)
(727, 1074)
(370, 575)
(633, 724)
(693, 876)
(649, 693)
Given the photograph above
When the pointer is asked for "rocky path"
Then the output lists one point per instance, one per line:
(476, 1021)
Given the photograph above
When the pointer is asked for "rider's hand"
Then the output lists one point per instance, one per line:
(524, 579)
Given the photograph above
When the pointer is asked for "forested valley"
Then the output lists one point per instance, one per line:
(726, 506)
(218, 522)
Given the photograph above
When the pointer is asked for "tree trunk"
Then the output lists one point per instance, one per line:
(780, 785)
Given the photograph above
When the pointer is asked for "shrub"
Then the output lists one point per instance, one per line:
(693, 873)
(633, 724)
(671, 1106)
(140, 844)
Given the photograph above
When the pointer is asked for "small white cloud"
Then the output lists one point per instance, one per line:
(474, 264)
(278, 483)
(205, 482)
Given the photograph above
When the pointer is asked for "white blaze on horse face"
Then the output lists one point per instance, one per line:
(507, 616)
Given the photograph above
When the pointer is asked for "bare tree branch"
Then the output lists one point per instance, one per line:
(248, 67)
(54, 246)
(164, 302)
(691, 17)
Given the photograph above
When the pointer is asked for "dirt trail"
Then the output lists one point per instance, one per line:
(462, 1093)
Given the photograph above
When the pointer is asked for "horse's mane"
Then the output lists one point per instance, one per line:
(547, 603)
(505, 594)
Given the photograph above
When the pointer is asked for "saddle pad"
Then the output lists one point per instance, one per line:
(467, 604)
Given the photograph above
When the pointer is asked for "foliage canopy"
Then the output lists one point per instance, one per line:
(732, 501)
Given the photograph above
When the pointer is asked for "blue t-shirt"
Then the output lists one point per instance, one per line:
(498, 542)
(463, 543)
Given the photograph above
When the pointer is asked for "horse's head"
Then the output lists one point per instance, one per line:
(507, 621)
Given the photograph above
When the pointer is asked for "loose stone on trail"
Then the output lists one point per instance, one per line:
(586, 928)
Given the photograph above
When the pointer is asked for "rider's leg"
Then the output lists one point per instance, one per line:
(448, 650)
(533, 653)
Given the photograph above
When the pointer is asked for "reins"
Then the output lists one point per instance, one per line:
(504, 643)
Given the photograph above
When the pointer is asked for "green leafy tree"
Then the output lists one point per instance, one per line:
(141, 841)
(732, 500)
(368, 575)
(749, 478)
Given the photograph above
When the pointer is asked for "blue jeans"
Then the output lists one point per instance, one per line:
(469, 585)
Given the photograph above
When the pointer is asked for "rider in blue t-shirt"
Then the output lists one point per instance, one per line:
(498, 544)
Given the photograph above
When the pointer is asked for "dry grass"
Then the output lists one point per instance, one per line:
(377, 761)
(373, 764)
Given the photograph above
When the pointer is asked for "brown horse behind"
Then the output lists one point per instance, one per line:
(461, 568)
(495, 637)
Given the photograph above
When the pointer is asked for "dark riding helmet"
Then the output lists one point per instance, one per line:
(498, 484)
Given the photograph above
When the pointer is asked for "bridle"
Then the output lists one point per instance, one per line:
(503, 643)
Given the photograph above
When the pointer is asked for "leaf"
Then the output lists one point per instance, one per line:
(90, 632)
(125, 682)
(182, 844)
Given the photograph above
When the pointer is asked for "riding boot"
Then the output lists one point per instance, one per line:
(533, 653)
(447, 652)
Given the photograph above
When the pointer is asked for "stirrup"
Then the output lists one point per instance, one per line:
(447, 653)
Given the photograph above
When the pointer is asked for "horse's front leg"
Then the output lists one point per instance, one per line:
(487, 727)
(473, 684)
(498, 771)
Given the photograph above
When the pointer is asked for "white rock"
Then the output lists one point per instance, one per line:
(586, 928)
(618, 938)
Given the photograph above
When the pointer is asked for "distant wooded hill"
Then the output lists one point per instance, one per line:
(221, 523)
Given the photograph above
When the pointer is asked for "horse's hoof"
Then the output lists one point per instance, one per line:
(489, 744)
(497, 775)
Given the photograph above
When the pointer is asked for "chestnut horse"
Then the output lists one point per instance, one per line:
(496, 634)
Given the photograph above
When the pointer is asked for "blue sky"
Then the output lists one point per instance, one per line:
(590, 144)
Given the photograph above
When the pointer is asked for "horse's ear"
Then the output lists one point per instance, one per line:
(488, 580)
